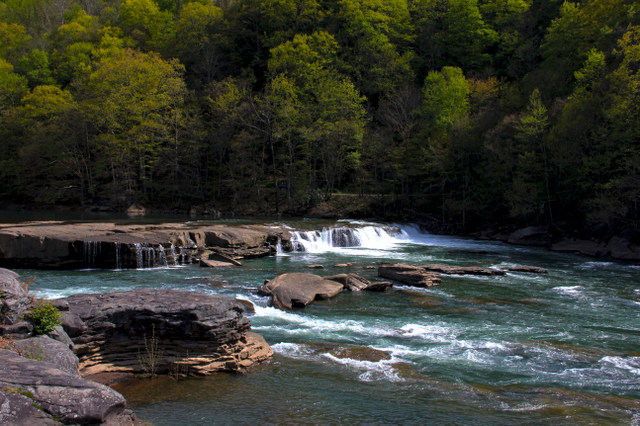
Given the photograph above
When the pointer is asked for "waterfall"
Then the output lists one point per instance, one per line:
(118, 262)
(183, 255)
(139, 256)
(377, 237)
(91, 253)
(161, 256)
(279, 251)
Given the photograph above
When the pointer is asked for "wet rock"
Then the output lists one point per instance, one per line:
(298, 290)
(130, 331)
(356, 352)
(462, 270)
(379, 286)
(409, 274)
(67, 397)
(531, 236)
(587, 247)
(354, 282)
(314, 266)
(351, 282)
(621, 247)
(13, 297)
(528, 269)
(342, 265)
(208, 263)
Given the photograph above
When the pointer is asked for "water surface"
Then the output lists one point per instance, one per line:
(562, 347)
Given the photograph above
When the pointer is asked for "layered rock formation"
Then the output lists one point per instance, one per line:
(152, 331)
(409, 274)
(58, 245)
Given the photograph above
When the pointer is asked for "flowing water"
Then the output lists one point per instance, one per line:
(556, 348)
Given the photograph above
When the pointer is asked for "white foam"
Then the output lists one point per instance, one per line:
(299, 324)
(631, 364)
(576, 290)
(292, 350)
(430, 333)
(373, 370)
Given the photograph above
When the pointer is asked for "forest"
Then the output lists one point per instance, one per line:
(469, 112)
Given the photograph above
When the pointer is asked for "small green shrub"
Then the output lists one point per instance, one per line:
(44, 317)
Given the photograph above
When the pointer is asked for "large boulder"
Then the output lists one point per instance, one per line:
(531, 236)
(13, 297)
(622, 247)
(587, 247)
(67, 397)
(412, 275)
(150, 330)
(298, 290)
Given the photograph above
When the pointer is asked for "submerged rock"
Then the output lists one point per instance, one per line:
(298, 290)
(409, 274)
(528, 269)
(148, 330)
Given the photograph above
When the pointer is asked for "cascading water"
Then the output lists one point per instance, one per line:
(91, 253)
(161, 256)
(376, 237)
(118, 261)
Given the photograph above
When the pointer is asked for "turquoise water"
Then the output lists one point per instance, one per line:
(557, 348)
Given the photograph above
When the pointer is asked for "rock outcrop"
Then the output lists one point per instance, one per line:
(150, 330)
(13, 297)
(57, 394)
(461, 270)
(296, 290)
(415, 276)
(58, 245)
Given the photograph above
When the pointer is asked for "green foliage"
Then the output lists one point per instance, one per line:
(468, 110)
(44, 318)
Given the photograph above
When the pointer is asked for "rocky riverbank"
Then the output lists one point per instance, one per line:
(46, 379)
(59, 245)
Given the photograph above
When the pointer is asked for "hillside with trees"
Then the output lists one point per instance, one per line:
(470, 112)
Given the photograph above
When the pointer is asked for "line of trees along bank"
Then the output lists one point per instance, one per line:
(472, 111)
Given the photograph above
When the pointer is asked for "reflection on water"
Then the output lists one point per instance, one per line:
(561, 347)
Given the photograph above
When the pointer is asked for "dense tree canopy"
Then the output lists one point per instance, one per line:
(467, 111)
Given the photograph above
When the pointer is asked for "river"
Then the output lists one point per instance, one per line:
(555, 348)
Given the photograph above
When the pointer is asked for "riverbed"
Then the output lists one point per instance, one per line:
(555, 348)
